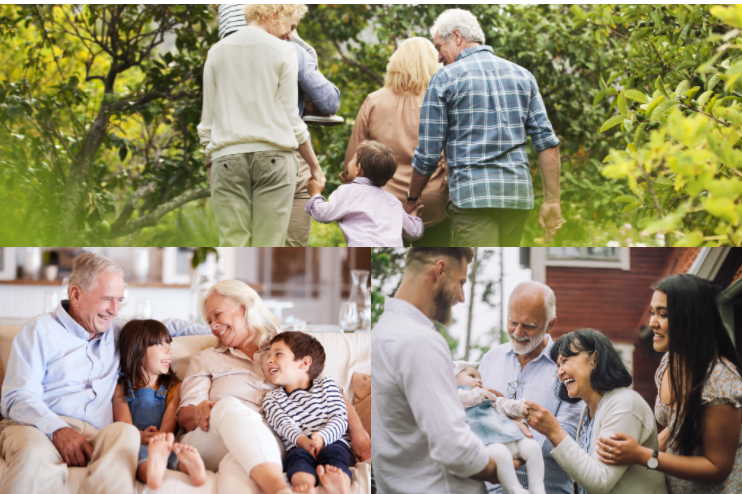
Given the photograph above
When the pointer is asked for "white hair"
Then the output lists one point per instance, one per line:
(548, 294)
(261, 322)
(85, 270)
(460, 20)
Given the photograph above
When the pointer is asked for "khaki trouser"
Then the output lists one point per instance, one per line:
(300, 225)
(251, 196)
(35, 465)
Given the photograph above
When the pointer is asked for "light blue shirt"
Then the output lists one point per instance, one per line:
(421, 442)
(538, 382)
(56, 369)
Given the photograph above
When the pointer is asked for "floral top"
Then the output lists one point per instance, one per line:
(723, 387)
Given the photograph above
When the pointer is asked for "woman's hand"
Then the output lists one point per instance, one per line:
(663, 439)
(541, 420)
(147, 434)
(203, 413)
(622, 449)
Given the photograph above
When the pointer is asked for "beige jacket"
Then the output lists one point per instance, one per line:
(251, 101)
(394, 120)
(622, 410)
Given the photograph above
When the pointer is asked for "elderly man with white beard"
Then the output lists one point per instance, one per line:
(522, 369)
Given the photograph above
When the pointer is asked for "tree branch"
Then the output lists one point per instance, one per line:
(366, 70)
(154, 217)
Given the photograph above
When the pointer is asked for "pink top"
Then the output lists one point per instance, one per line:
(368, 215)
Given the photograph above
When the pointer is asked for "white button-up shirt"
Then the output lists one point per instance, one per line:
(537, 382)
(421, 442)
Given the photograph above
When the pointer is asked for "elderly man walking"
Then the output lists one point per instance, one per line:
(481, 108)
(421, 442)
(61, 374)
(522, 369)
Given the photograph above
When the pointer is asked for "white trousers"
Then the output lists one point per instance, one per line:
(35, 465)
(237, 441)
(530, 451)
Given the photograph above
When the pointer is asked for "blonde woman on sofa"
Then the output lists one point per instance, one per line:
(591, 370)
(222, 395)
(57, 392)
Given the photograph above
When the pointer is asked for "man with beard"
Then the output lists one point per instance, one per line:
(522, 369)
(421, 442)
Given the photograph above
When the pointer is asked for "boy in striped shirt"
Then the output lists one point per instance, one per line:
(308, 413)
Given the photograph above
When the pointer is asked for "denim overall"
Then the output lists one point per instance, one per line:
(147, 408)
(490, 426)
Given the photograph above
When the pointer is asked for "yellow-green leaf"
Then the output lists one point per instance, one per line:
(662, 108)
(625, 199)
(703, 99)
(611, 122)
(630, 206)
(621, 102)
(660, 86)
(636, 95)
(680, 91)
(653, 105)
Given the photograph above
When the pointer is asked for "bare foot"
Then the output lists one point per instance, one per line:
(190, 463)
(159, 449)
(335, 480)
(303, 482)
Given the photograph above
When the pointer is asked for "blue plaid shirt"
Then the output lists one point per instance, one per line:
(480, 108)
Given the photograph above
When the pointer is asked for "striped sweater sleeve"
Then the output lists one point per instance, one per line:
(279, 419)
(337, 422)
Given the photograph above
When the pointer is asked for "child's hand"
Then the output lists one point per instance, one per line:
(314, 188)
(318, 441)
(146, 434)
(307, 444)
(495, 392)
(418, 210)
(523, 427)
(344, 176)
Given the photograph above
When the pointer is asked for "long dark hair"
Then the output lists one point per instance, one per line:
(609, 373)
(698, 339)
(136, 336)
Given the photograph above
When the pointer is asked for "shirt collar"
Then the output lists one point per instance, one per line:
(72, 326)
(362, 181)
(545, 353)
(474, 49)
(399, 306)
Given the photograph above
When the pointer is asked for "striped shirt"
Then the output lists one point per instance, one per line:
(231, 18)
(481, 108)
(501, 370)
(368, 215)
(319, 408)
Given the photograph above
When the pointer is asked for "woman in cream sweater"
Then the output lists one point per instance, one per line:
(591, 370)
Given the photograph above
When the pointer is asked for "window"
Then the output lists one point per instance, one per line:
(584, 253)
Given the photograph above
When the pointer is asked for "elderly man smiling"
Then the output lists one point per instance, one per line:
(481, 108)
(522, 369)
(57, 392)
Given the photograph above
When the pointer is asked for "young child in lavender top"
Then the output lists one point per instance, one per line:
(309, 414)
(505, 439)
(368, 215)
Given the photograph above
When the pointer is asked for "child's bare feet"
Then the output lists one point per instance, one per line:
(335, 480)
(160, 447)
(303, 482)
(190, 463)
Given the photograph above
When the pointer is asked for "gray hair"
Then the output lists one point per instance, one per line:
(548, 294)
(86, 268)
(461, 20)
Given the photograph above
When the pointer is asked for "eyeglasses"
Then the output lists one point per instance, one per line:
(512, 388)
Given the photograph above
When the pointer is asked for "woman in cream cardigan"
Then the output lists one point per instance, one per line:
(591, 370)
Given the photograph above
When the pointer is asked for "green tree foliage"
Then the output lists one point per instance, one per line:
(675, 107)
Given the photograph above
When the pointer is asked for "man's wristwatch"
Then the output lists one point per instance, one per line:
(411, 199)
(653, 462)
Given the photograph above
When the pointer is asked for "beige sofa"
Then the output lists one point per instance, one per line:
(346, 354)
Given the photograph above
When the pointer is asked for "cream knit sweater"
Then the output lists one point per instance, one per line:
(251, 96)
(622, 410)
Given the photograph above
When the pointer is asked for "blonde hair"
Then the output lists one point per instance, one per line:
(275, 12)
(411, 66)
(261, 322)
(86, 268)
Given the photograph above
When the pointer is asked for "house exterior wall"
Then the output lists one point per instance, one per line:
(614, 302)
